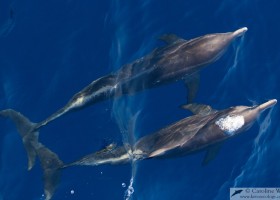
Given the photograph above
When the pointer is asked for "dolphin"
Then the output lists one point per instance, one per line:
(178, 60)
(206, 130)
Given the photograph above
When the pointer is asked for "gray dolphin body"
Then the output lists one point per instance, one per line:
(205, 130)
(179, 60)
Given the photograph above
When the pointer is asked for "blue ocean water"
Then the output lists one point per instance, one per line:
(50, 50)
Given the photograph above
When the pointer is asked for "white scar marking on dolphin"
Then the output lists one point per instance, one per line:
(230, 124)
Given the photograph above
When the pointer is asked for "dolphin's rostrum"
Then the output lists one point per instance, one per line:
(205, 130)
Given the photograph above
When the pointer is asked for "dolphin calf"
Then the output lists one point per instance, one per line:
(205, 130)
(178, 60)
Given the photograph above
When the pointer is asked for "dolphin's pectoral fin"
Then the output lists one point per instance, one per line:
(199, 109)
(170, 38)
(192, 85)
(211, 154)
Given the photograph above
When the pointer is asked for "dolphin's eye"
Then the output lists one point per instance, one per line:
(230, 124)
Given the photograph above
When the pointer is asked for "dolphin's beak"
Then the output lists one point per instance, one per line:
(240, 32)
(267, 105)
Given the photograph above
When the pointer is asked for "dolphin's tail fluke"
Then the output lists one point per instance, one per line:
(25, 128)
(51, 165)
(50, 162)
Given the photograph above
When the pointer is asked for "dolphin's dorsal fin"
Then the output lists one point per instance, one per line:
(170, 38)
(111, 146)
(199, 109)
(211, 153)
(108, 148)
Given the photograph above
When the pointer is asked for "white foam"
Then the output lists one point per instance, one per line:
(230, 124)
(130, 190)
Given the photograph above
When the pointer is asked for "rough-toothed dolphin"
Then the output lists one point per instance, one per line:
(179, 59)
(205, 130)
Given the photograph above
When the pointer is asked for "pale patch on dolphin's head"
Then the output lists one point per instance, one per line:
(230, 124)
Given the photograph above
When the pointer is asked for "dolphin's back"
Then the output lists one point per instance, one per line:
(170, 139)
